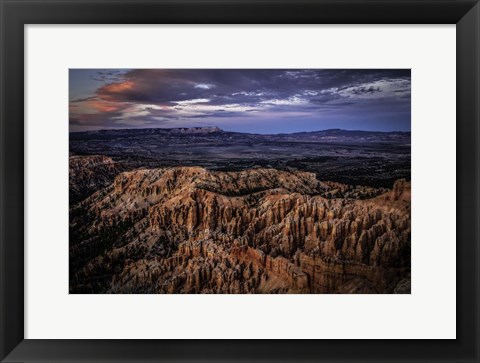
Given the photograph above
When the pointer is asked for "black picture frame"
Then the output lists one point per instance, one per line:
(15, 14)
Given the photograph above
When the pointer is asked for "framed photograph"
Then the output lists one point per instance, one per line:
(240, 181)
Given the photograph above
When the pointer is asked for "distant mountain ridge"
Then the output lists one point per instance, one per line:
(348, 132)
(217, 130)
(143, 131)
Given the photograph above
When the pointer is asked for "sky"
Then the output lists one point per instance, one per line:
(263, 101)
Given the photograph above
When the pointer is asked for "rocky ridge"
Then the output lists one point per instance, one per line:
(191, 230)
(88, 174)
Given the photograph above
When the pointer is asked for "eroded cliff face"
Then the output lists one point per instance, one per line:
(190, 230)
(88, 174)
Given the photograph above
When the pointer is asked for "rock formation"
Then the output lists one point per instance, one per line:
(87, 174)
(191, 230)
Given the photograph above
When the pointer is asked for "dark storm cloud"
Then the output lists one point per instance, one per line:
(152, 96)
(107, 76)
(244, 86)
(83, 99)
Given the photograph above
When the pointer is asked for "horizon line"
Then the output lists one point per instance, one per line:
(238, 132)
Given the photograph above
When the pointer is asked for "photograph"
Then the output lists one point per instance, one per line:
(239, 181)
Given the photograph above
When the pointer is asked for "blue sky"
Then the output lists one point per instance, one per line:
(246, 100)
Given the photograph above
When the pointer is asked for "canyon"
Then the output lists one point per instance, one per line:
(139, 227)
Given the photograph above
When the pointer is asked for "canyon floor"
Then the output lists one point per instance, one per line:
(207, 211)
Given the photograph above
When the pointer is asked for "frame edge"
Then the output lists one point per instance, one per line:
(12, 345)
